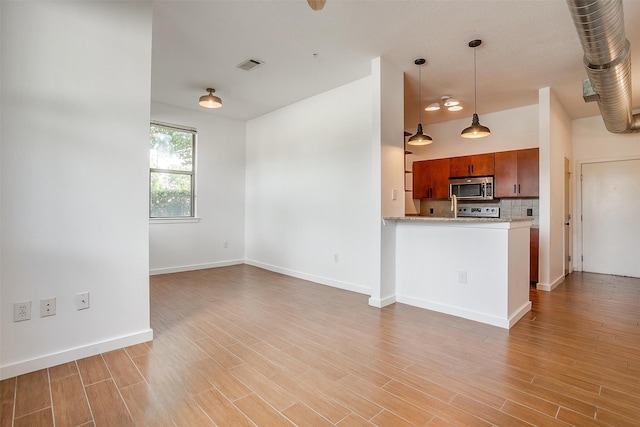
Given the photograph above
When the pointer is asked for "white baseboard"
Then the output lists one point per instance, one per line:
(549, 287)
(310, 277)
(54, 359)
(181, 268)
(519, 313)
(501, 322)
(375, 302)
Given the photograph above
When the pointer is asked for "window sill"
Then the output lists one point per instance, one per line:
(173, 220)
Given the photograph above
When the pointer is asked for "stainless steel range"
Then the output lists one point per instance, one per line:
(478, 211)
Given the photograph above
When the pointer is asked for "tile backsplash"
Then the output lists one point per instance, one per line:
(509, 208)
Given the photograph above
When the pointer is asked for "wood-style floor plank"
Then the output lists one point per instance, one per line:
(243, 346)
(107, 406)
(32, 393)
(70, 401)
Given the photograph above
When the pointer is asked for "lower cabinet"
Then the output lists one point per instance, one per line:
(533, 256)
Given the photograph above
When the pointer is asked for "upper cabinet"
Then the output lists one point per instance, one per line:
(517, 173)
(431, 179)
(476, 165)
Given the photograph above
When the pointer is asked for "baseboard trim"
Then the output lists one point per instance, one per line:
(550, 287)
(192, 267)
(310, 277)
(526, 307)
(375, 302)
(488, 319)
(54, 359)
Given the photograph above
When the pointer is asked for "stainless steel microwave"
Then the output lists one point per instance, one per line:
(472, 188)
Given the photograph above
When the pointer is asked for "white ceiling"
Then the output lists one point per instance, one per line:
(527, 45)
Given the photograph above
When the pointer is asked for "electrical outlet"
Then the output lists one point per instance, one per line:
(21, 311)
(336, 258)
(226, 244)
(47, 307)
(82, 300)
(462, 277)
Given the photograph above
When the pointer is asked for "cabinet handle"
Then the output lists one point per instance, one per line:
(471, 168)
(514, 189)
(518, 188)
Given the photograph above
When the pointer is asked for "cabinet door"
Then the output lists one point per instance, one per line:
(506, 174)
(483, 164)
(460, 166)
(528, 173)
(439, 178)
(421, 179)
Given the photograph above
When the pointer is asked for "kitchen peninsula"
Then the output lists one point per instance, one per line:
(475, 268)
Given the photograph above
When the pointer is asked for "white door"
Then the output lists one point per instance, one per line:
(611, 217)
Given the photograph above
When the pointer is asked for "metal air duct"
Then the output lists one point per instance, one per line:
(607, 60)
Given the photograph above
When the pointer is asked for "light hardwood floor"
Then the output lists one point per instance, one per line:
(240, 346)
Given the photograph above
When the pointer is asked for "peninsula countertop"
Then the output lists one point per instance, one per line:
(418, 218)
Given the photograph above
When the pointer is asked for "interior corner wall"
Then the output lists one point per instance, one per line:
(75, 91)
(592, 142)
(217, 239)
(310, 203)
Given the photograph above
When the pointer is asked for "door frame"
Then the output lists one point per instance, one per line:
(577, 235)
(568, 222)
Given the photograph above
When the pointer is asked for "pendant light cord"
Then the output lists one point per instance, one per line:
(475, 83)
(419, 93)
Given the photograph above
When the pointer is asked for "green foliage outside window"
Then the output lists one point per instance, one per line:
(171, 172)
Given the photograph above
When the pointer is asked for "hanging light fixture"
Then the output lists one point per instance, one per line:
(210, 100)
(420, 138)
(476, 130)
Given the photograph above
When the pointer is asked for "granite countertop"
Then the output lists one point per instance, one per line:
(451, 219)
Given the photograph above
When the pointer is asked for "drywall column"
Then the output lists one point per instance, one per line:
(76, 80)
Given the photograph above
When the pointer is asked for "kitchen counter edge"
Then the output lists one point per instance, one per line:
(451, 219)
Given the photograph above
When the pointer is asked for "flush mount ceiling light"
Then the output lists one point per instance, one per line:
(452, 104)
(210, 100)
(420, 138)
(476, 130)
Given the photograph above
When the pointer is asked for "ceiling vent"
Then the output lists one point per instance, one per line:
(249, 64)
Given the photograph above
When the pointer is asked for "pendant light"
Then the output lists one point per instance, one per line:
(476, 130)
(210, 100)
(420, 138)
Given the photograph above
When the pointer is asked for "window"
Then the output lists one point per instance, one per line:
(171, 171)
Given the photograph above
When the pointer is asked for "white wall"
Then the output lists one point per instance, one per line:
(309, 189)
(513, 129)
(220, 185)
(387, 147)
(591, 143)
(75, 115)
(555, 145)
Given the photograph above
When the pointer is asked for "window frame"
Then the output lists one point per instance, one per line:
(192, 173)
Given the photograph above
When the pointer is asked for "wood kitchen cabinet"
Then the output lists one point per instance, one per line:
(533, 256)
(517, 173)
(431, 179)
(476, 165)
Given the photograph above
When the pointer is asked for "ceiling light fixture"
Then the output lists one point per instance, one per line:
(210, 100)
(452, 104)
(420, 138)
(476, 130)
